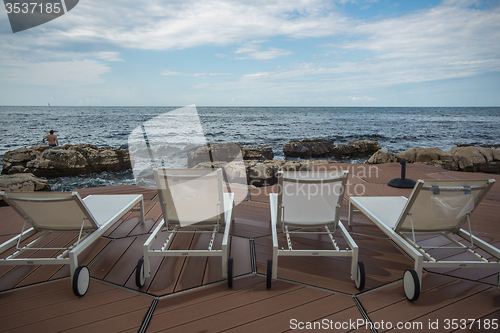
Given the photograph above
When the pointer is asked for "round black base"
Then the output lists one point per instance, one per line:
(402, 183)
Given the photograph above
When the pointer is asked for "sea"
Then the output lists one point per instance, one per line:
(395, 128)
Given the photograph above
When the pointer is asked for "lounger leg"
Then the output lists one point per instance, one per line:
(141, 205)
(224, 260)
(275, 263)
(351, 212)
(419, 265)
(147, 268)
(73, 263)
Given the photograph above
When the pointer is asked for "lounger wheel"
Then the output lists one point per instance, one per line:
(360, 279)
(140, 278)
(411, 285)
(269, 275)
(81, 280)
(230, 272)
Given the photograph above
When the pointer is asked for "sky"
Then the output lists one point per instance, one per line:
(257, 53)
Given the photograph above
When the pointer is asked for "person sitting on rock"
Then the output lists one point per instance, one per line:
(51, 138)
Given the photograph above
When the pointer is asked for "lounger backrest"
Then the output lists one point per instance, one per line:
(58, 211)
(442, 205)
(190, 196)
(310, 198)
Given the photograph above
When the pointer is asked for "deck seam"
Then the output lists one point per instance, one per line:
(364, 314)
(211, 284)
(253, 256)
(148, 316)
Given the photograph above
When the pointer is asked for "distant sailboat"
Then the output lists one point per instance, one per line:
(48, 104)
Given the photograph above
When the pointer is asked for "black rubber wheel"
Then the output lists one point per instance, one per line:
(269, 275)
(81, 281)
(230, 272)
(360, 281)
(140, 278)
(411, 285)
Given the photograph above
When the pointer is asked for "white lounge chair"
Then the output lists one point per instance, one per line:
(307, 201)
(439, 207)
(192, 200)
(58, 212)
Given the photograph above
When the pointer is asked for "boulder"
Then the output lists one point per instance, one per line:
(260, 153)
(257, 173)
(218, 152)
(424, 155)
(308, 148)
(477, 159)
(67, 160)
(234, 171)
(317, 148)
(463, 158)
(22, 182)
(356, 148)
(382, 156)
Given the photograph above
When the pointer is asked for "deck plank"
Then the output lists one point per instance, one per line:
(58, 309)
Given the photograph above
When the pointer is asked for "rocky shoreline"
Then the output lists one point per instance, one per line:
(67, 160)
(459, 158)
(22, 167)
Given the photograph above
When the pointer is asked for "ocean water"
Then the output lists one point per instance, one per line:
(396, 129)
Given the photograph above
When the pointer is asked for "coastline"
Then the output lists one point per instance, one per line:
(396, 129)
(261, 167)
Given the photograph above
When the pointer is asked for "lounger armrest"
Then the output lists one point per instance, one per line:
(228, 214)
(273, 203)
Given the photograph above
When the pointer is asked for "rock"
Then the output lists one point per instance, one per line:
(260, 153)
(424, 155)
(67, 160)
(463, 158)
(431, 156)
(22, 182)
(317, 148)
(264, 174)
(308, 148)
(356, 148)
(256, 173)
(218, 152)
(234, 171)
(382, 156)
(477, 159)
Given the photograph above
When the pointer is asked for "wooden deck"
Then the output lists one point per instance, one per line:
(189, 295)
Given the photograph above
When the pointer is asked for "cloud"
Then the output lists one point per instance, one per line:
(168, 72)
(72, 73)
(254, 51)
(445, 42)
(109, 56)
(166, 25)
(457, 39)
